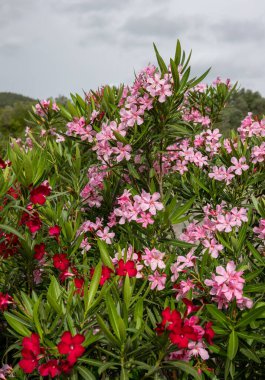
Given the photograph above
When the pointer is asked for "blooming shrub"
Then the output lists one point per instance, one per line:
(132, 235)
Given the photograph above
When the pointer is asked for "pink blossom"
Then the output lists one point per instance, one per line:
(213, 246)
(122, 151)
(154, 258)
(260, 230)
(158, 281)
(227, 285)
(239, 165)
(225, 222)
(197, 349)
(149, 202)
(106, 235)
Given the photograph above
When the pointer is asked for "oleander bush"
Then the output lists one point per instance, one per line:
(132, 235)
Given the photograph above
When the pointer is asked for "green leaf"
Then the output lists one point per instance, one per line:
(217, 314)
(160, 61)
(107, 332)
(53, 296)
(177, 58)
(12, 230)
(232, 345)
(179, 211)
(36, 318)
(255, 253)
(251, 316)
(256, 288)
(93, 287)
(250, 336)
(127, 292)
(104, 254)
(198, 80)
(115, 319)
(85, 373)
(175, 74)
(250, 355)
(185, 367)
(17, 324)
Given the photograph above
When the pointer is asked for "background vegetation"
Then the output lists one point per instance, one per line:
(14, 111)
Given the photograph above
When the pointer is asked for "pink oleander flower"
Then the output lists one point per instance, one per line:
(239, 165)
(145, 219)
(154, 258)
(260, 230)
(196, 349)
(85, 245)
(106, 235)
(227, 285)
(157, 280)
(225, 222)
(182, 263)
(147, 201)
(239, 215)
(183, 288)
(122, 151)
(213, 246)
(258, 153)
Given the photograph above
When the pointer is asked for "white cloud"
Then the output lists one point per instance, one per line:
(56, 47)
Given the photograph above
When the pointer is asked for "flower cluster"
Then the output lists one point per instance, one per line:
(139, 208)
(32, 354)
(186, 334)
(227, 286)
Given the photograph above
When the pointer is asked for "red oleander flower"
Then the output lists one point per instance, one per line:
(55, 231)
(71, 346)
(5, 300)
(170, 319)
(209, 333)
(191, 308)
(181, 335)
(126, 268)
(30, 352)
(66, 367)
(13, 193)
(51, 368)
(79, 285)
(105, 274)
(39, 251)
(32, 221)
(60, 261)
(39, 194)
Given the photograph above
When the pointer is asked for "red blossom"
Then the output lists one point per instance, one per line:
(39, 194)
(191, 308)
(181, 336)
(55, 231)
(105, 274)
(66, 367)
(126, 268)
(4, 164)
(61, 262)
(30, 352)
(51, 368)
(71, 346)
(79, 285)
(13, 192)
(209, 333)
(9, 244)
(31, 220)
(5, 300)
(39, 251)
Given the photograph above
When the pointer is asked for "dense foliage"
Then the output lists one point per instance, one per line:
(132, 235)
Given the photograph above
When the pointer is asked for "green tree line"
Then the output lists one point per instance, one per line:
(14, 110)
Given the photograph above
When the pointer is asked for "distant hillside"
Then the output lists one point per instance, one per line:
(10, 98)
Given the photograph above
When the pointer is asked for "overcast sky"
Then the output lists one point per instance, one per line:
(52, 47)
